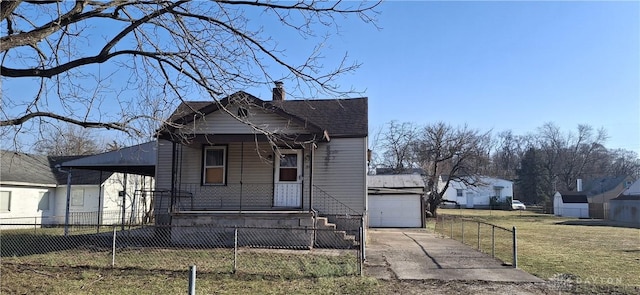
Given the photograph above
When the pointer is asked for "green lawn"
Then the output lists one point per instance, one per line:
(590, 251)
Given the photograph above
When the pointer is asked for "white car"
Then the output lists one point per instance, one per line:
(517, 205)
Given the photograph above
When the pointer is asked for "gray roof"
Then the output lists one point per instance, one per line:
(25, 168)
(628, 198)
(596, 186)
(38, 169)
(395, 181)
(339, 117)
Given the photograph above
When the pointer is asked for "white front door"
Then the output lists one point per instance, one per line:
(288, 180)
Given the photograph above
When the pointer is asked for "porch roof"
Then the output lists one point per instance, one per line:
(138, 159)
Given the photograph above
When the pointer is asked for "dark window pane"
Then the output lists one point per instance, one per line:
(214, 158)
(288, 174)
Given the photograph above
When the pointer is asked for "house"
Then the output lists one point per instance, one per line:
(247, 162)
(571, 204)
(396, 200)
(626, 207)
(478, 196)
(599, 191)
(33, 190)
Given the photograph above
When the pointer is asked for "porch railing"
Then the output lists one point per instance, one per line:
(243, 197)
(325, 203)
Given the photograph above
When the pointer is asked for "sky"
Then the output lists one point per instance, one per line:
(491, 65)
(500, 65)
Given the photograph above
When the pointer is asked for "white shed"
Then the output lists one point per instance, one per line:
(570, 205)
(395, 201)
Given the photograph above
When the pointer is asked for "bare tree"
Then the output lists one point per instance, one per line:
(102, 64)
(66, 141)
(450, 154)
(567, 155)
(397, 143)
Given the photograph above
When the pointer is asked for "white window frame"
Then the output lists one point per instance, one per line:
(223, 166)
(8, 194)
(74, 197)
(459, 192)
(44, 195)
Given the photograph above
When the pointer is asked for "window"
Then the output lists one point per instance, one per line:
(77, 197)
(459, 192)
(5, 201)
(43, 205)
(214, 165)
(288, 167)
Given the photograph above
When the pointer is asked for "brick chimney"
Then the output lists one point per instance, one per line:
(278, 91)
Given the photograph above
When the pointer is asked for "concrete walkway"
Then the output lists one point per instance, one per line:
(409, 254)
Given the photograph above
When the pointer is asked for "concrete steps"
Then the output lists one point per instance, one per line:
(328, 237)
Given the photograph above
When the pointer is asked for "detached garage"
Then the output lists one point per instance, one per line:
(395, 201)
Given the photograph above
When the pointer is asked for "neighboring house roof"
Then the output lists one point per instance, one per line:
(596, 186)
(83, 177)
(574, 198)
(338, 117)
(21, 168)
(24, 168)
(627, 198)
(138, 159)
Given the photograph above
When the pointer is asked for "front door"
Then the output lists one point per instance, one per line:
(288, 180)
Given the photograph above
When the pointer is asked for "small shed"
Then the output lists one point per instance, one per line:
(396, 200)
(571, 205)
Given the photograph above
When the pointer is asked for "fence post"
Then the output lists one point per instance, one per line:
(235, 250)
(493, 241)
(113, 248)
(192, 280)
(478, 235)
(35, 225)
(361, 256)
(462, 220)
(363, 238)
(515, 249)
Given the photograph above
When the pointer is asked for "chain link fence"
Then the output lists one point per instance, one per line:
(282, 252)
(488, 238)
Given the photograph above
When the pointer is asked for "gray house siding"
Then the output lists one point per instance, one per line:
(340, 170)
(221, 122)
(249, 177)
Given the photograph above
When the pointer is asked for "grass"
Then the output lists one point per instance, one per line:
(49, 263)
(26, 279)
(589, 252)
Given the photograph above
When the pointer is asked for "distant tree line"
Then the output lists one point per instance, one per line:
(539, 163)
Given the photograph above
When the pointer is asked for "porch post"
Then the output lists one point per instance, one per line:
(311, 177)
(173, 175)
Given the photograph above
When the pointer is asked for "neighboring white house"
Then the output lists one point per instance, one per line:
(571, 205)
(396, 200)
(476, 196)
(34, 191)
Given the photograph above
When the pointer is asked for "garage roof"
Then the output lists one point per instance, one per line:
(398, 184)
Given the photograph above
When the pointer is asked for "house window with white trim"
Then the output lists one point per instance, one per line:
(459, 192)
(43, 204)
(215, 161)
(5, 201)
(77, 197)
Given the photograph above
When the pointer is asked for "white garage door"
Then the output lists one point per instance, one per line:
(394, 211)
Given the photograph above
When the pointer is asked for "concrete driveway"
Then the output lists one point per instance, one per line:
(409, 254)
